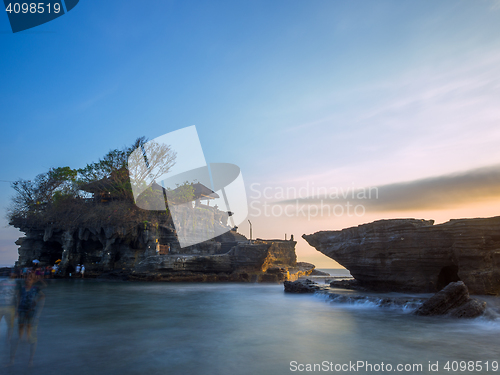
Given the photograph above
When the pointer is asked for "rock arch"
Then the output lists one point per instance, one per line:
(448, 274)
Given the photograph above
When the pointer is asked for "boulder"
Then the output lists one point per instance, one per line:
(303, 286)
(347, 284)
(471, 309)
(452, 300)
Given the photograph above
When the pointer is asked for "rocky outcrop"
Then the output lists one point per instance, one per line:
(309, 286)
(348, 284)
(415, 255)
(319, 273)
(452, 300)
(301, 269)
(259, 261)
(153, 253)
(305, 286)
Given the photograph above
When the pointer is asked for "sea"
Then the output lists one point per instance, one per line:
(108, 327)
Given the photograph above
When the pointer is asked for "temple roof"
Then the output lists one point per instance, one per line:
(200, 191)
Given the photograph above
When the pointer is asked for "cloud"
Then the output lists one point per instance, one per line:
(441, 192)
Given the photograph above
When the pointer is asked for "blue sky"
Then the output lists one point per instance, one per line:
(335, 93)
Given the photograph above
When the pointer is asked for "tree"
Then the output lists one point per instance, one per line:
(148, 162)
(41, 190)
(55, 196)
(112, 161)
(25, 197)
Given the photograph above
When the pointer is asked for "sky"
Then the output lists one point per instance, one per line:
(337, 96)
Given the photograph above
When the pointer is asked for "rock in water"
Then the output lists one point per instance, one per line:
(453, 300)
(319, 273)
(306, 286)
(417, 256)
(451, 297)
(471, 309)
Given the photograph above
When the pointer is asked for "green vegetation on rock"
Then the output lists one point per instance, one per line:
(97, 195)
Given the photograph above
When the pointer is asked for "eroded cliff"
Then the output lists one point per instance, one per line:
(415, 255)
(148, 252)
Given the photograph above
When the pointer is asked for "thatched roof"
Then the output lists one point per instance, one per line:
(200, 191)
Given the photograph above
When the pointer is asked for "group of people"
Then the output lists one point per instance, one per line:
(48, 271)
(24, 300)
(80, 270)
(42, 272)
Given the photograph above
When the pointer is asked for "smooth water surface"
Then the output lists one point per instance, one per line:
(92, 327)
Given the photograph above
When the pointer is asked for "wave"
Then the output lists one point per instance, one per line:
(405, 304)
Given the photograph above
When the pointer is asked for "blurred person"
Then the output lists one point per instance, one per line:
(55, 268)
(8, 303)
(30, 302)
(38, 271)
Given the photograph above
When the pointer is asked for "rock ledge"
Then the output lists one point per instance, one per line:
(410, 255)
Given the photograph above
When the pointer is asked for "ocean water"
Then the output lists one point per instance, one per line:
(90, 327)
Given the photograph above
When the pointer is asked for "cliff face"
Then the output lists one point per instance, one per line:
(153, 253)
(415, 255)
